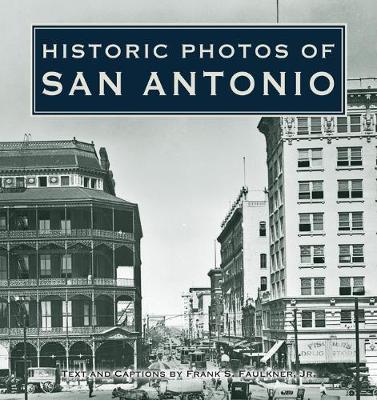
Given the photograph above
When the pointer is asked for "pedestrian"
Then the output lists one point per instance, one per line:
(218, 383)
(322, 390)
(90, 383)
(230, 381)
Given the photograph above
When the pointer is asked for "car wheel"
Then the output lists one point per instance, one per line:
(351, 392)
(48, 387)
(374, 392)
(31, 388)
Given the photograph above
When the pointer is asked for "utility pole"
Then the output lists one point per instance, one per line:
(357, 372)
(25, 354)
(297, 358)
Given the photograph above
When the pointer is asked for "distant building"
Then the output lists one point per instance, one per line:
(244, 261)
(323, 226)
(216, 327)
(70, 251)
(196, 307)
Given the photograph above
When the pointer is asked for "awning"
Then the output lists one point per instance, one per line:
(272, 351)
(242, 343)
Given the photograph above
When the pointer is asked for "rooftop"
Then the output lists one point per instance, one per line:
(59, 194)
(48, 154)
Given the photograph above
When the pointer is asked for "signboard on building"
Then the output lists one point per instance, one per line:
(329, 351)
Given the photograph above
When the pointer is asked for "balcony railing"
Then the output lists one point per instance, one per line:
(46, 282)
(60, 331)
(70, 233)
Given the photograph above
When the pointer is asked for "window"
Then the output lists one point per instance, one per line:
(351, 253)
(263, 283)
(348, 316)
(320, 319)
(262, 228)
(350, 221)
(341, 124)
(67, 314)
(46, 314)
(312, 254)
(20, 182)
(86, 182)
(67, 265)
(355, 124)
(263, 260)
(350, 189)
(3, 267)
(23, 267)
(65, 180)
(45, 265)
(66, 226)
(86, 314)
(311, 286)
(349, 156)
(309, 158)
(42, 181)
(307, 126)
(3, 223)
(307, 319)
(351, 123)
(21, 222)
(351, 285)
(310, 190)
(311, 222)
(44, 226)
(93, 183)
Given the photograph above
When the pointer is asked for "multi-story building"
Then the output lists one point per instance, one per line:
(322, 222)
(244, 261)
(195, 315)
(216, 327)
(70, 249)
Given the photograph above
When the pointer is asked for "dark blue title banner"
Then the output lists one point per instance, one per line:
(264, 70)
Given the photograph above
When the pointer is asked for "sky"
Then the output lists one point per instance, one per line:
(182, 171)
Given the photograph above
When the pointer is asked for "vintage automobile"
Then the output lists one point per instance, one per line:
(45, 379)
(285, 392)
(241, 390)
(185, 389)
(366, 389)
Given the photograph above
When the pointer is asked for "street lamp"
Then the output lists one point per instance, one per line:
(22, 320)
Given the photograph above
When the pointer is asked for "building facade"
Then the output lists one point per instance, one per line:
(322, 222)
(196, 304)
(244, 261)
(216, 327)
(70, 251)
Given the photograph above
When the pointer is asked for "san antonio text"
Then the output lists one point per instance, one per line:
(241, 83)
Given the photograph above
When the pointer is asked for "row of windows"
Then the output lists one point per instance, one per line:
(346, 157)
(347, 286)
(317, 318)
(348, 254)
(44, 224)
(44, 266)
(347, 222)
(44, 181)
(315, 125)
(347, 189)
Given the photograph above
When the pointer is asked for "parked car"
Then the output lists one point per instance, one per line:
(366, 388)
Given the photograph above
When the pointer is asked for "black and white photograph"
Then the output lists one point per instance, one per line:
(217, 253)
